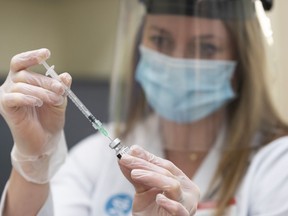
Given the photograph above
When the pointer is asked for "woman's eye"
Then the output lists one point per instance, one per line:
(208, 50)
(162, 43)
(204, 50)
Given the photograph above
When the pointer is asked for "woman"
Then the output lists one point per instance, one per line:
(196, 96)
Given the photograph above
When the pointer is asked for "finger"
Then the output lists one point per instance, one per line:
(132, 162)
(128, 163)
(139, 152)
(20, 100)
(39, 80)
(173, 207)
(66, 79)
(158, 173)
(44, 95)
(28, 59)
(171, 186)
(127, 173)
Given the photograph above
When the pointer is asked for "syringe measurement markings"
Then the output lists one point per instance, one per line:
(77, 102)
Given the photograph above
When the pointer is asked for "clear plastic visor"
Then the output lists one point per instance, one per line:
(184, 64)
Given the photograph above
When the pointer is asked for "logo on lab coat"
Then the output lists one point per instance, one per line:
(119, 205)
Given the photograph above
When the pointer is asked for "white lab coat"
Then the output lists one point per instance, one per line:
(91, 184)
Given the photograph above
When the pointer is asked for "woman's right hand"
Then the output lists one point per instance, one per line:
(32, 104)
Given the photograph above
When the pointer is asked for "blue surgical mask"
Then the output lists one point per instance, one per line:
(184, 90)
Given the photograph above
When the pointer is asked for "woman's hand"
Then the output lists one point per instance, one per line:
(33, 104)
(161, 188)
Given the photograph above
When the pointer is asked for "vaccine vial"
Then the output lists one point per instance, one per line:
(120, 149)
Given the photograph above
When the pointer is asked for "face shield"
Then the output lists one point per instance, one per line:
(186, 64)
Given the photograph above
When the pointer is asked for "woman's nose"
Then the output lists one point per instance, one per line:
(179, 52)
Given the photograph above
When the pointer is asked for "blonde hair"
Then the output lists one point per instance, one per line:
(252, 113)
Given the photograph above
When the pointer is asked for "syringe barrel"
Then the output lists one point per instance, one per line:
(51, 72)
(77, 102)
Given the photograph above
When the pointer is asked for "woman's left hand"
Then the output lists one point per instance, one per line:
(162, 189)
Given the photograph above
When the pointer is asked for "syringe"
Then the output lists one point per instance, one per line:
(114, 144)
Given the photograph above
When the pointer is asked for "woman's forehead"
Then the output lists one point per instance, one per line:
(175, 24)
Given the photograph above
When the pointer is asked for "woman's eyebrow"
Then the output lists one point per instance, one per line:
(206, 37)
(161, 30)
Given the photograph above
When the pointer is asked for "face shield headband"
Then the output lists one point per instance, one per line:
(214, 9)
